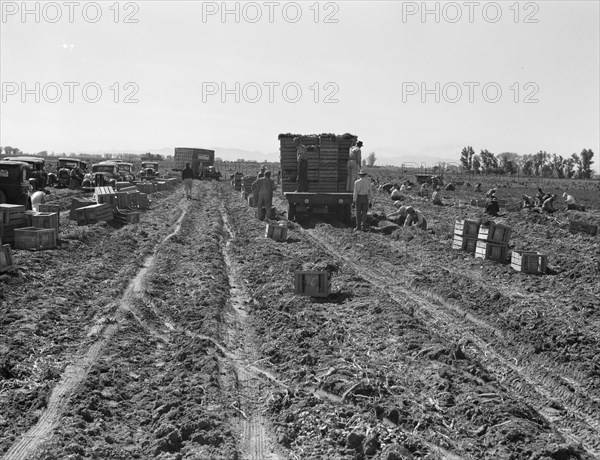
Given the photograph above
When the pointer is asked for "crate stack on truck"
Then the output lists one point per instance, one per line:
(327, 157)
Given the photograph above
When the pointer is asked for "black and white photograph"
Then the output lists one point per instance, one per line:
(300, 230)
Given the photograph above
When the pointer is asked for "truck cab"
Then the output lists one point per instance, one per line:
(126, 171)
(64, 167)
(149, 170)
(36, 170)
(105, 173)
(14, 186)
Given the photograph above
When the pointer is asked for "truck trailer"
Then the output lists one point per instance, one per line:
(327, 156)
(199, 159)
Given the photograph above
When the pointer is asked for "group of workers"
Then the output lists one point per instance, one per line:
(546, 202)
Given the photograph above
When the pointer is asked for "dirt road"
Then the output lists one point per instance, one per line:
(181, 338)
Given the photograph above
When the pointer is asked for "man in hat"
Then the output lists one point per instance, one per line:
(302, 176)
(493, 207)
(548, 204)
(361, 199)
(187, 175)
(354, 162)
(437, 196)
(571, 203)
(261, 173)
(265, 186)
(415, 218)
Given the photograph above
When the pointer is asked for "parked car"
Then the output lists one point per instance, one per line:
(68, 167)
(14, 186)
(105, 173)
(36, 170)
(149, 170)
(126, 172)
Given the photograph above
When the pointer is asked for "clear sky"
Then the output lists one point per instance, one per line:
(508, 76)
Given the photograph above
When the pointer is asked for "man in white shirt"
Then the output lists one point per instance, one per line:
(354, 162)
(415, 218)
(361, 199)
(571, 203)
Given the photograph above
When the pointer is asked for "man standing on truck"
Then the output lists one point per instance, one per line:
(265, 186)
(302, 176)
(354, 162)
(187, 175)
(361, 199)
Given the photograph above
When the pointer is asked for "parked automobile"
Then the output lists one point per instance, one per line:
(68, 167)
(36, 170)
(14, 186)
(149, 170)
(126, 171)
(105, 173)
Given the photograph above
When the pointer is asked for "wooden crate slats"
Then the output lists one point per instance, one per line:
(496, 233)
(35, 239)
(312, 283)
(11, 214)
(529, 261)
(583, 227)
(6, 259)
(464, 243)
(465, 227)
(491, 251)
(276, 232)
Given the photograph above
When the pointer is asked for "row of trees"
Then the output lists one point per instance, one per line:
(541, 164)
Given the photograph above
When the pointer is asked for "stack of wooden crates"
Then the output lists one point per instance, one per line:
(492, 242)
(29, 230)
(465, 235)
(327, 156)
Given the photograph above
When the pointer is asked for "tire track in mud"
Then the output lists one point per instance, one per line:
(580, 423)
(255, 439)
(26, 447)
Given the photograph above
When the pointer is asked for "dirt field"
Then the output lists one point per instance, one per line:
(181, 338)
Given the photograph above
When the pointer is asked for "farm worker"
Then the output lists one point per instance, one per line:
(187, 175)
(361, 199)
(478, 187)
(354, 161)
(261, 173)
(528, 201)
(493, 207)
(540, 197)
(302, 156)
(399, 216)
(437, 196)
(415, 218)
(571, 204)
(490, 193)
(403, 187)
(396, 195)
(548, 204)
(266, 186)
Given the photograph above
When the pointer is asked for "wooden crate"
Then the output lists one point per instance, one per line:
(27, 218)
(11, 214)
(161, 185)
(126, 216)
(94, 214)
(121, 185)
(312, 283)
(46, 220)
(49, 208)
(77, 203)
(491, 251)
(495, 233)
(276, 232)
(35, 239)
(6, 260)
(468, 228)
(7, 232)
(134, 199)
(131, 188)
(583, 227)
(123, 200)
(529, 262)
(464, 243)
(145, 187)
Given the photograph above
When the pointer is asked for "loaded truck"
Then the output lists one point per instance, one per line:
(201, 160)
(327, 156)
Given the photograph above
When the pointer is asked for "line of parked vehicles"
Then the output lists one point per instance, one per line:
(25, 180)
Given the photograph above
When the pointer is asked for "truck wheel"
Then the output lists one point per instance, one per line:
(291, 211)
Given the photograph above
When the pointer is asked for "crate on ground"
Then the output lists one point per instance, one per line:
(121, 185)
(529, 262)
(27, 218)
(6, 259)
(77, 203)
(94, 214)
(143, 201)
(583, 227)
(11, 214)
(276, 232)
(35, 239)
(495, 233)
(145, 187)
(161, 185)
(49, 208)
(130, 188)
(105, 195)
(464, 243)
(46, 220)
(312, 283)
(468, 228)
(491, 251)
(7, 232)
(134, 199)
(123, 200)
(126, 216)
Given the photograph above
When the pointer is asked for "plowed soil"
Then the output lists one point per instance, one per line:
(180, 337)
